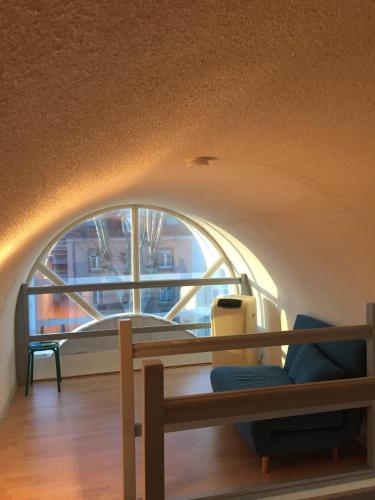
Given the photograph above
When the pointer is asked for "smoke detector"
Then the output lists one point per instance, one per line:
(201, 160)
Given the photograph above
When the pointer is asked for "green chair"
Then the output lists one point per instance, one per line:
(42, 346)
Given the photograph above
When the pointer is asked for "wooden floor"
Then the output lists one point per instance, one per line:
(67, 446)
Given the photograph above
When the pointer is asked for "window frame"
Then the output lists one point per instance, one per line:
(96, 314)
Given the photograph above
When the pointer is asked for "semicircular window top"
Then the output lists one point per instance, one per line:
(130, 244)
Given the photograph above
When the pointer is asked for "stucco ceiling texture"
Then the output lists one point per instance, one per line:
(107, 101)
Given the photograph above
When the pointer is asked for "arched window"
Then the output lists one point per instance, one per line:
(131, 243)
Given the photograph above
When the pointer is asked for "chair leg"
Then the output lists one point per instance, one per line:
(335, 454)
(27, 374)
(59, 364)
(265, 465)
(57, 369)
(32, 368)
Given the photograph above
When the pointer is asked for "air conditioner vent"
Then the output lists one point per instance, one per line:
(229, 303)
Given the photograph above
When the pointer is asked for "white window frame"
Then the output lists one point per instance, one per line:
(135, 259)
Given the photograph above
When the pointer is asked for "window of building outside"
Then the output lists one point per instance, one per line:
(106, 248)
(166, 294)
(95, 262)
(166, 260)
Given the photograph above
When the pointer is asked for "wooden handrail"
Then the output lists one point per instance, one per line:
(185, 412)
(270, 402)
(207, 344)
(131, 285)
(370, 352)
(114, 332)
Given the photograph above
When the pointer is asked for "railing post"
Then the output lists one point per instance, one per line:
(370, 344)
(153, 430)
(22, 332)
(127, 409)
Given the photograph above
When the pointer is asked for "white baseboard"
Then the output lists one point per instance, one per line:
(103, 362)
(7, 403)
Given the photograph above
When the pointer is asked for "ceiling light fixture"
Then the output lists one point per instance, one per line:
(202, 160)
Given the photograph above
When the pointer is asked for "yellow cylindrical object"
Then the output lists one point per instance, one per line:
(234, 315)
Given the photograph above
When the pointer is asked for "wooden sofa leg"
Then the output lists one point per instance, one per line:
(335, 454)
(265, 465)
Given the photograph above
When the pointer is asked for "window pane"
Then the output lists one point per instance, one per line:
(198, 309)
(169, 249)
(55, 312)
(96, 251)
(159, 301)
(99, 251)
(109, 302)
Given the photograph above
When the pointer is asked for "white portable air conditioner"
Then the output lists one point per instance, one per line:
(234, 315)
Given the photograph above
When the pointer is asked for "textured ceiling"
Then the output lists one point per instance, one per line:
(106, 101)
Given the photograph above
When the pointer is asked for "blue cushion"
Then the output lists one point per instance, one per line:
(302, 322)
(257, 434)
(310, 365)
(350, 355)
(229, 378)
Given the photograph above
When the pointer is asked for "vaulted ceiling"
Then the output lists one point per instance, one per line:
(105, 102)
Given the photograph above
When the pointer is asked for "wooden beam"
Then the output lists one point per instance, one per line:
(73, 335)
(196, 424)
(130, 285)
(153, 430)
(127, 410)
(370, 416)
(114, 332)
(208, 344)
(207, 422)
(275, 402)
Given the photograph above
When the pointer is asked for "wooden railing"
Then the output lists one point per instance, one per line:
(162, 415)
(23, 335)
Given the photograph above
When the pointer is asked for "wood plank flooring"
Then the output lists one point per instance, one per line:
(67, 446)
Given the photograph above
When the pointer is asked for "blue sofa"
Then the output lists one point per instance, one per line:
(304, 363)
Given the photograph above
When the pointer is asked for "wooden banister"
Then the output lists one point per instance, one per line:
(269, 402)
(185, 412)
(127, 409)
(370, 417)
(207, 344)
(153, 430)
